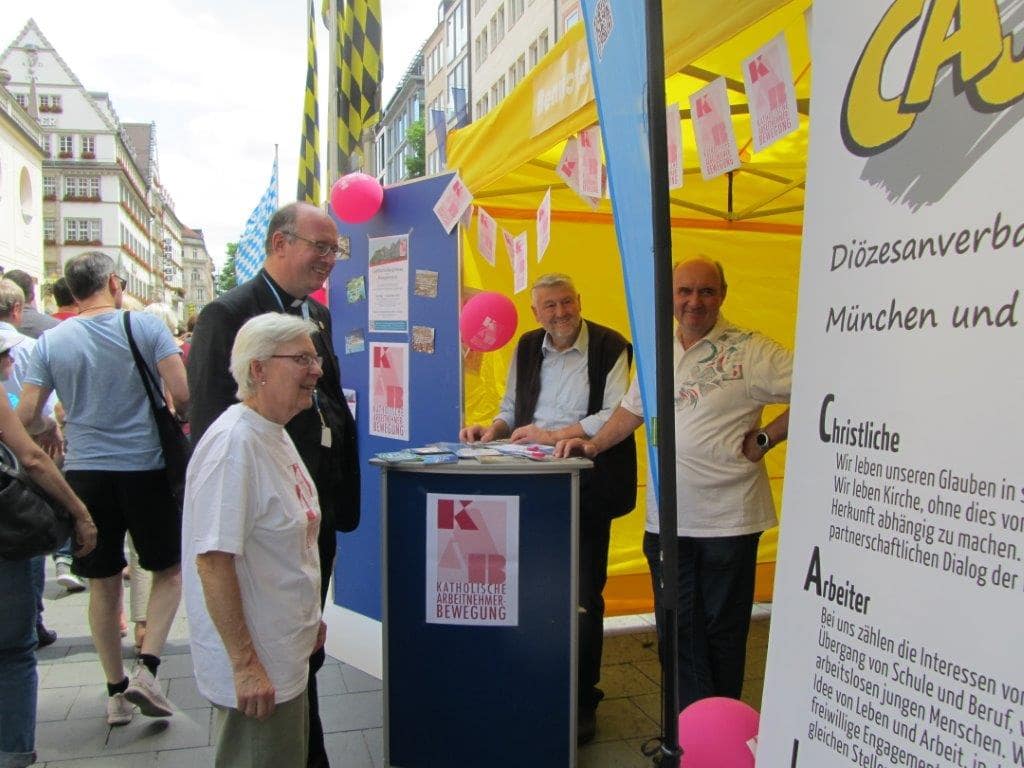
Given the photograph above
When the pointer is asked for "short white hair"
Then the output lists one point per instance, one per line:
(259, 339)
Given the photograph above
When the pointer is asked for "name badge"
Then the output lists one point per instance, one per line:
(325, 436)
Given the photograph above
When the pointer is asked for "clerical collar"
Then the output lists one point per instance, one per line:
(284, 298)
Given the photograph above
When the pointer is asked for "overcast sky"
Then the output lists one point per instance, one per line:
(222, 79)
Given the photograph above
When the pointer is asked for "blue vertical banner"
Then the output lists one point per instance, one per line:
(617, 39)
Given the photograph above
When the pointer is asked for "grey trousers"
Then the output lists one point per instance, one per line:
(280, 741)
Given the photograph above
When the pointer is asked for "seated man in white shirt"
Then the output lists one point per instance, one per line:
(566, 378)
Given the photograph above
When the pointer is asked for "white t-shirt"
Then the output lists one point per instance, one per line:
(248, 493)
(722, 384)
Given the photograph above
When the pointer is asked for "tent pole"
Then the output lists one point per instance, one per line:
(665, 421)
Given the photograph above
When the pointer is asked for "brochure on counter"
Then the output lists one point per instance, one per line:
(485, 453)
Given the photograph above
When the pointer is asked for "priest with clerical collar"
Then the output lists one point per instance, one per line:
(301, 250)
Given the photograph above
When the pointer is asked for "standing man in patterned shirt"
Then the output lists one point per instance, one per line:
(724, 376)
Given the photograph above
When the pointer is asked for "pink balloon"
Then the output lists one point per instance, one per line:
(356, 197)
(488, 321)
(714, 733)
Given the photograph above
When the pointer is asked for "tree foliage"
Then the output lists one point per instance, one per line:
(227, 278)
(416, 164)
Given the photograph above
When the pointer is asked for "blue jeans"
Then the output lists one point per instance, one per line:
(39, 584)
(716, 595)
(18, 680)
(65, 553)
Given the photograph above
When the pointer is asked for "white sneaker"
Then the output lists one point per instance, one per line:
(119, 710)
(67, 579)
(144, 691)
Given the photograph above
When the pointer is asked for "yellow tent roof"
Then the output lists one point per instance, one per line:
(508, 157)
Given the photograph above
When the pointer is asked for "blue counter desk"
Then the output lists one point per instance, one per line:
(476, 693)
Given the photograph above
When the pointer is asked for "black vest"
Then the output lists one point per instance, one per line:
(611, 485)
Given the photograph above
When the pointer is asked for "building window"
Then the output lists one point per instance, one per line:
(571, 18)
(49, 103)
(49, 187)
(481, 106)
(81, 187)
(83, 231)
(456, 33)
(66, 146)
(542, 43)
(515, 10)
(49, 230)
(498, 26)
(46, 145)
(27, 197)
(481, 48)
(521, 67)
(22, 100)
(534, 58)
(498, 91)
(88, 147)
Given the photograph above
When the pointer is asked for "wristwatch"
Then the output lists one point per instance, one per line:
(763, 440)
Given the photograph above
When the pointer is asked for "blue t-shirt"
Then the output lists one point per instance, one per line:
(89, 364)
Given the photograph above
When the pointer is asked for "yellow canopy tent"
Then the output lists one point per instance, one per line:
(751, 220)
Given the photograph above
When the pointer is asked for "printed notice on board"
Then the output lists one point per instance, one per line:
(389, 284)
(472, 560)
(898, 611)
(389, 390)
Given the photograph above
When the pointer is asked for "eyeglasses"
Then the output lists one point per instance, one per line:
(321, 248)
(121, 280)
(306, 361)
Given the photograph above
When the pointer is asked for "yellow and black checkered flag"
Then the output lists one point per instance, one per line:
(358, 59)
(309, 151)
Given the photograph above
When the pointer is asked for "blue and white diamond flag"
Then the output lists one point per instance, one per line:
(250, 254)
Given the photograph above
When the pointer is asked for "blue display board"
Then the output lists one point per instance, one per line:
(435, 380)
(458, 695)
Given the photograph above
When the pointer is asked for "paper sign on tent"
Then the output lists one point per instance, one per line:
(544, 225)
(589, 168)
(510, 246)
(519, 263)
(486, 235)
(674, 140)
(712, 126)
(770, 93)
(452, 204)
(568, 169)
(569, 162)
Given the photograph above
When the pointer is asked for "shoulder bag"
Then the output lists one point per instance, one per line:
(31, 523)
(175, 444)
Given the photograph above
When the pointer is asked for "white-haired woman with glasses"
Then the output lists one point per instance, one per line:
(250, 563)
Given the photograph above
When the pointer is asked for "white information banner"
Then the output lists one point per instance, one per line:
(472, 560)
(898, 619)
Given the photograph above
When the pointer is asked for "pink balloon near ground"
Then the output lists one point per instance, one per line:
(714, 733)
(488, 321)
(356, 197)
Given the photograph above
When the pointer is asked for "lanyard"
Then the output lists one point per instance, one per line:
(305, 316)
